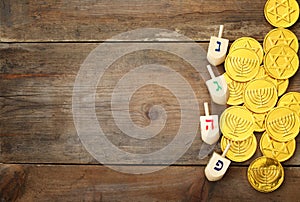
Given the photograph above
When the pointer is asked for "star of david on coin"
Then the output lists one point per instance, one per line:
(291, 100)
(280, 36)
(281, 151)
(281, 13)
(249, 43)
(281, 62)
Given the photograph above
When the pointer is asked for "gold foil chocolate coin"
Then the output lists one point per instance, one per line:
(236, 123)
(242, 64)
(262, 74)
(282, 124)
(291, 100)
(281, 13)
(260, 95)
(236, 90)
(279, 37)
(259, 121)
(281, 62)
(265, 174)
(281, 84)
(281, 151)
(240, 151)
(250, 43)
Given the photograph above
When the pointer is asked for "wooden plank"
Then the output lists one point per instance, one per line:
(98, 183)
(31, 20)
(12, 181)
(36, 96)
(36, 104)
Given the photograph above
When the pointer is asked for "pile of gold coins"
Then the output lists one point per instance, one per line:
(258, 78)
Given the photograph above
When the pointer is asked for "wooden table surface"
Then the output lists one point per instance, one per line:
(44, 43)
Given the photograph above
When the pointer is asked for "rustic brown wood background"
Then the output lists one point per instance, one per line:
(43, 44)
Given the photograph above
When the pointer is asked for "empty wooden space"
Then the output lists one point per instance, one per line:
(42, 47)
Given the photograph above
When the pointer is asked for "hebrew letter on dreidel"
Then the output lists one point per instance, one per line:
(217, 49)
(217, 88)
(209, 127)
(219, 165)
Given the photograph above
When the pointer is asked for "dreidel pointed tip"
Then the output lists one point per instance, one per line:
(211, 138)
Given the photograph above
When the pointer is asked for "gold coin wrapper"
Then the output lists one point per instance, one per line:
(261, 89)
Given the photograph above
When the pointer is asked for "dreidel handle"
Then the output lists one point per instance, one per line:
(206, 109)
(221, 31)
(210, 71)
(226, 150)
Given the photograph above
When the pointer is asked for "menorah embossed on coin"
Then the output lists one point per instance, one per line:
(260, 97)
(242, 66)
(237, 125)
(283, 124)
(236, 90)
(239, 148)
(266, 176)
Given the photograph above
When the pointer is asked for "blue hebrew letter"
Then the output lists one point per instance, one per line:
(219, 165)
(219, 46)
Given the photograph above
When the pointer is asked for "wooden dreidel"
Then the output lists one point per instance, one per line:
(217, 88)
(209, 127)
(217, 49)
(217, 166)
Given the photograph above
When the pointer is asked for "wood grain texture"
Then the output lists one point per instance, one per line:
(183, 183)
(12, 181)
(98, 183)
(36, 96)
(36, 104)
(92, 20)
(41, 155)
